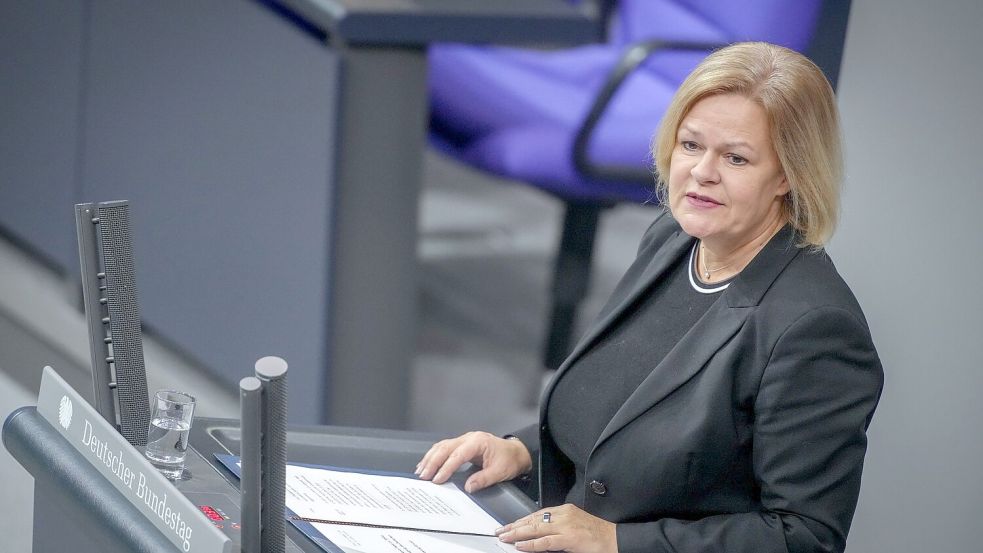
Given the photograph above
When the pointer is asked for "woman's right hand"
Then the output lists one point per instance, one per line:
(500, 459)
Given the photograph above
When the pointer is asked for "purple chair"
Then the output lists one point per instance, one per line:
(577, 123)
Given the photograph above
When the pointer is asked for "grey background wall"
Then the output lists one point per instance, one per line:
(910, 244)
(216, 120)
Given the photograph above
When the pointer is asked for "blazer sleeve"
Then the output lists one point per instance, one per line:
(529, 485)
(529, 436)
(816, 397)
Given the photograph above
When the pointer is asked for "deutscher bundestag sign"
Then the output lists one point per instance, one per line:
(126, 468)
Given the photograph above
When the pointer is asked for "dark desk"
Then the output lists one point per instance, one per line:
(417, 23)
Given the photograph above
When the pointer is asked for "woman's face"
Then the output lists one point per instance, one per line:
(726, 185)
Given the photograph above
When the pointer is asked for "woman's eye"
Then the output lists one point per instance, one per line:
(737, 160)
(688, 145)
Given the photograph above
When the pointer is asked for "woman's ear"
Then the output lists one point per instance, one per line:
(783, 187)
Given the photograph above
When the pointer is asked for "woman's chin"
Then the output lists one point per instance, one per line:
(695, 226)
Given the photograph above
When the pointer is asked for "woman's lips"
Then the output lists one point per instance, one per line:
(697, 200)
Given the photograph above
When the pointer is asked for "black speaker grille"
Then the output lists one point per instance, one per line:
(274, 465)
(124, 322)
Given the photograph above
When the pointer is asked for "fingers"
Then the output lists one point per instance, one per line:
(429, 458)
(545, 543)
(569, 529)
(498, 458)
(446, 456)
(560, 511)
(483, 478)
(529, 526)
(442, 459)
(463, 453)
(498, 464)
(535, 536)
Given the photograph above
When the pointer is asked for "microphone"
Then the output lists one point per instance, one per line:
(263, 457)
(112, 312)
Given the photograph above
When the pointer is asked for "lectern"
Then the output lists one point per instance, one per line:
(78, 507)
(95, 490)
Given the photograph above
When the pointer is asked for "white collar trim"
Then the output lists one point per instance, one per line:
(691, 270)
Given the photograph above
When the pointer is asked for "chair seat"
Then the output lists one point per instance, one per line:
(541, 155)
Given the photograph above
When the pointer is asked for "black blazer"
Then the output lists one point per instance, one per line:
(750, 435)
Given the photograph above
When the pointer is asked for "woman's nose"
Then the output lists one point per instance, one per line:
(705, 170)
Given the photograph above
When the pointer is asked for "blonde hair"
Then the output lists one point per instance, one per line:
(802, 117)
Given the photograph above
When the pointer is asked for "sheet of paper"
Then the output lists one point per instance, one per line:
(306, 486)
(320, 493)
(390, 500)
(354, 539)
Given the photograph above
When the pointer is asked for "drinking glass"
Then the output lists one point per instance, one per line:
(170, 425)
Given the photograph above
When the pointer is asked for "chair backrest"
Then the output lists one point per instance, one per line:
(789, 23)
(826, 47)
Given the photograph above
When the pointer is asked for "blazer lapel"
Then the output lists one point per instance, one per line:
(672, 248)
(718, 325)
(688, 357)
(675, 246)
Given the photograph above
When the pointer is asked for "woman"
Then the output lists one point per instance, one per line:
(721, 399)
